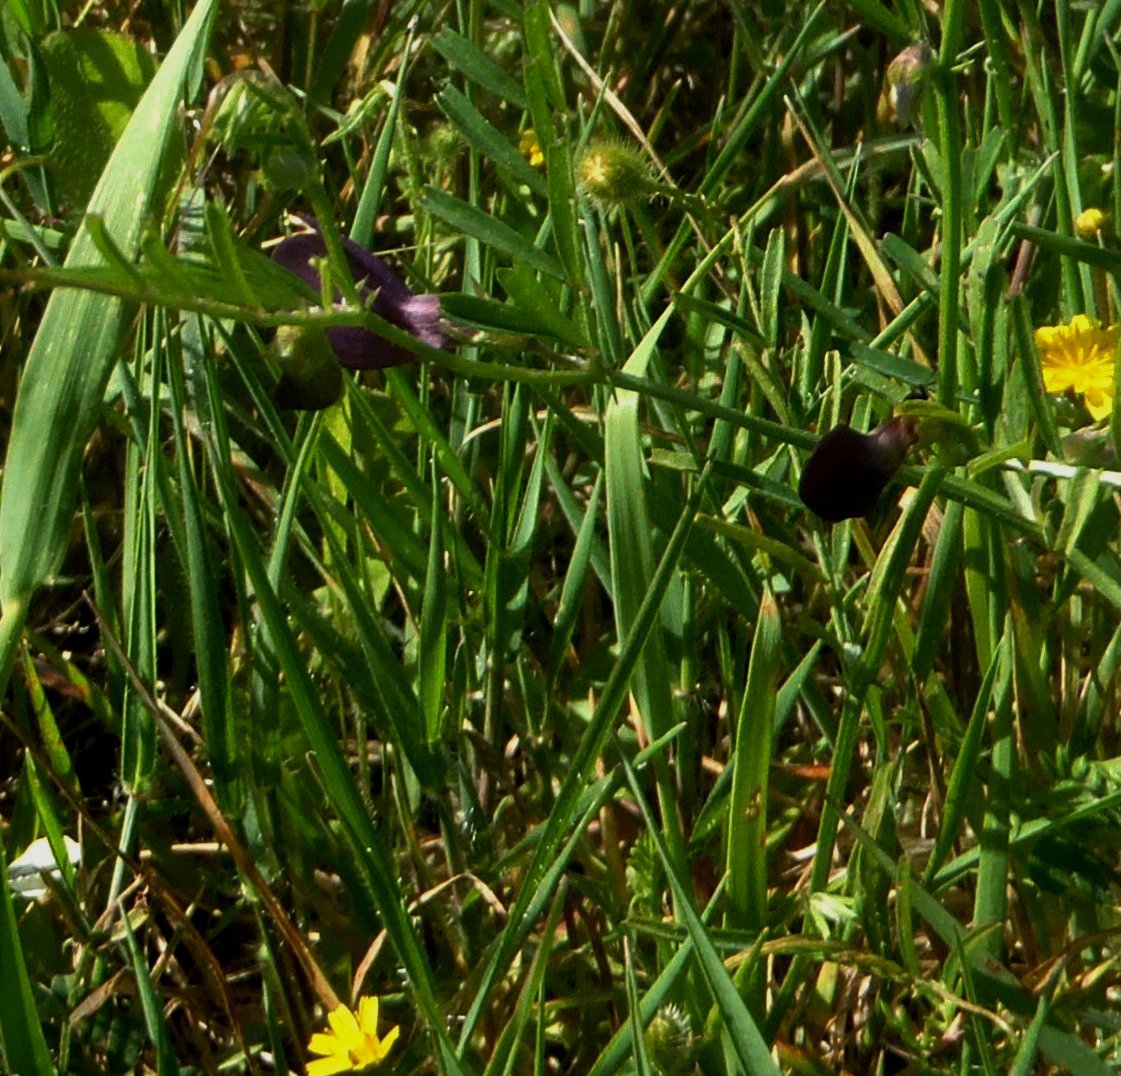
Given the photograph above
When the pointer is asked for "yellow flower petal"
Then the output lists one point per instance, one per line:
(328, 1066)
(1046, 336)
(1099, 402)
(352, 1043)
(368, 1015)
(344, 1024)
(1056, 379)
(322, 1043)
(1079, 356)
(388, 1041)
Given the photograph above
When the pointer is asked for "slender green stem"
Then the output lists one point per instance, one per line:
(950, 146)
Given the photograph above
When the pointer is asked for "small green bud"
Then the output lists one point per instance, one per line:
(287, 169)
(903, 84)
(613, 173)
(442, 145)
(310, 376)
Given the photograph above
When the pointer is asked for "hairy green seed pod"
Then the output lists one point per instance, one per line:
(613, 173)
(669, 1041)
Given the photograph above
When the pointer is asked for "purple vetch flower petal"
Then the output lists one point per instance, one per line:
(847, 471)
(358, 348)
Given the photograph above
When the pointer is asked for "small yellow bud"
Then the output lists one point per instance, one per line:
(531, 148)
(1090, 223)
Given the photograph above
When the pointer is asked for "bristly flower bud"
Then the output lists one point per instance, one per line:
(669, 1041)
(847, 471)
(613, 173)
(903, 85)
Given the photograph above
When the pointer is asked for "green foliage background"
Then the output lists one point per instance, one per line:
(519, 688)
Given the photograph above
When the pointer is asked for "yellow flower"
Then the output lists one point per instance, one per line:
(1079, 356)
(531, 148)
(1090, 223)
(352, 1044)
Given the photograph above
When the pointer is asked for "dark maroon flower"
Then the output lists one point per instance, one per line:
(847, 471)
(355, 347)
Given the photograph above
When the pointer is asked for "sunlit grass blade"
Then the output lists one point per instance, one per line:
(432, 656)
(153, 1011)
(747, 807)
(76, 343)
(632, 558)
(642, 1065)
(62, 385)
(966, 761)
(991, 981)
(505, 1056)
(338, 783)
(882, 597)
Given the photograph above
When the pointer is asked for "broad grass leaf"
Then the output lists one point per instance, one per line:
(77, 343)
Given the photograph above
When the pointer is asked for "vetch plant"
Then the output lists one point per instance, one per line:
(355, 347)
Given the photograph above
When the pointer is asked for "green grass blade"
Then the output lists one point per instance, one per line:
(582, 765)
(76, 345)
(747, 809)
(748, 1044)
(357, 827)
(967, 757)
(632, 558)
(25, 1048)
(432, 657)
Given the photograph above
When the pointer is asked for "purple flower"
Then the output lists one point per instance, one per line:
(355, 347)
(847, 471)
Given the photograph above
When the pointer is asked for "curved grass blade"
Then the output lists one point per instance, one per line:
(76, 346)
(549, 856)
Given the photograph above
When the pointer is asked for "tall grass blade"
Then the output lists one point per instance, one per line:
(75, 347)
(25, 1048)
